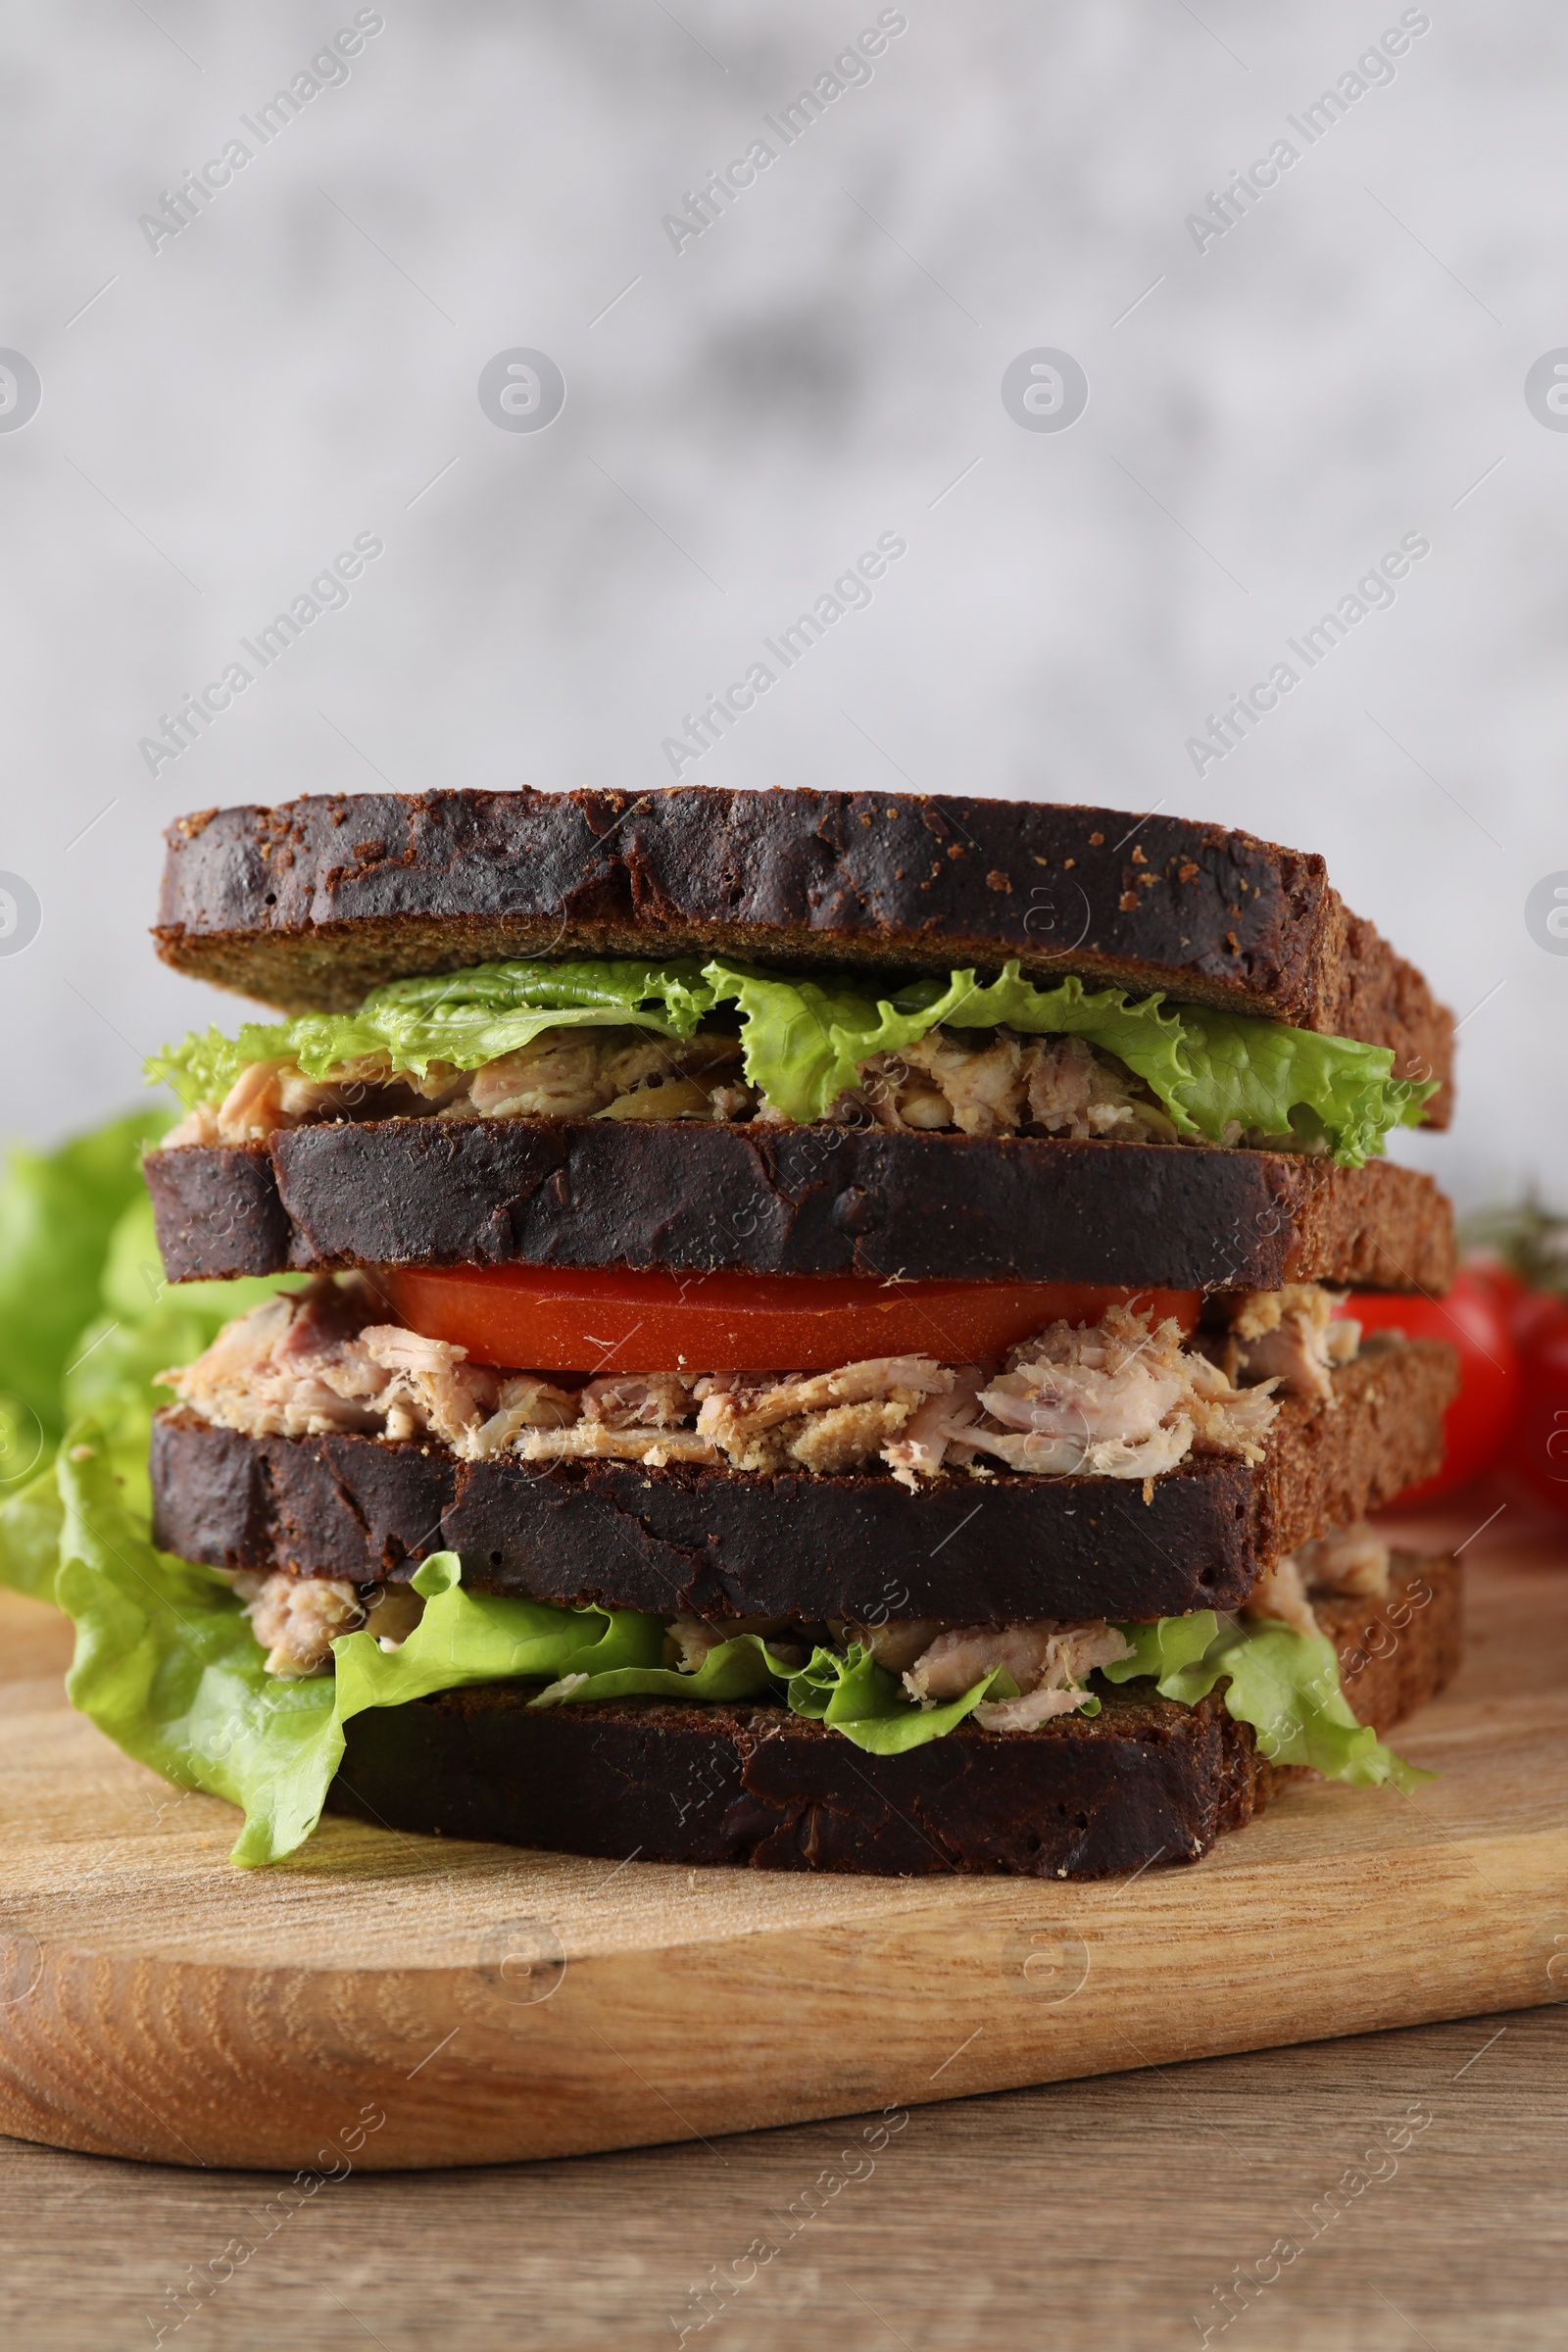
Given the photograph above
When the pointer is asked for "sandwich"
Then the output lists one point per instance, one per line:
(779, 1328)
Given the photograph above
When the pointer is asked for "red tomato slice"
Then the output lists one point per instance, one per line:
(560, 1319)
(1473, 1319)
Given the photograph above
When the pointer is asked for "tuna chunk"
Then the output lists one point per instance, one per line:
(639, 1401)
(968, 1079)
(935, 1430)
(1290, 1334)
(297, 1619)
(1048, 1660)
(1120, 1399)
(1352, 1560)
(1076, 1092)
(309, 1361)
(738, 1416)
(1281, 1593)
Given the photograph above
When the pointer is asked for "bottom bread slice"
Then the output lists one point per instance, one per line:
(1146, 1780)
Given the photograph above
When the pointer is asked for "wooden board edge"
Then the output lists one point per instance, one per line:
(276, 2068)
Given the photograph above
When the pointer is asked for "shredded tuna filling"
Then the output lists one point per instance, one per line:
(1353, 1561)
(1124, 1397)
(976, 1082)
(1285, 1334)
(297, 1617)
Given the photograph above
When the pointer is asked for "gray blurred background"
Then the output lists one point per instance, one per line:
(226, 404)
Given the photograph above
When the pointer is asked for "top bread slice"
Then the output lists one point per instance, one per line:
(309, 906)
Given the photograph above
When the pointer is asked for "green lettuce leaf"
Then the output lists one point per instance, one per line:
(1275, 1080)
(58, 1213)
(850, 1693)
(147, 1325)
(854, 1695)
(167, 1667)
(1165, 1647)
(30, 1521)
(1286, 1685)
(466, 1019)
(804, 1038)
(803, 1042)
(73, 1222)
(738, 1669)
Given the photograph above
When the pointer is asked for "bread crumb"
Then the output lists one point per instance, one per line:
(1139, 858)
(1128, 901)
(1149, 1489)
(998, 880)
(1096, 841)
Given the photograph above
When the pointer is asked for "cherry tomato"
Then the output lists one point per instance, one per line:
(1539, 1451)
(1524, 1307)
(560, 1319)
(1472, 1319)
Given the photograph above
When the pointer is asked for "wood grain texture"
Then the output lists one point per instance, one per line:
(159, 2005)
(1099, 2213)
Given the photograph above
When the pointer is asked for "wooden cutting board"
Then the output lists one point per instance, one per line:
(387, 2001)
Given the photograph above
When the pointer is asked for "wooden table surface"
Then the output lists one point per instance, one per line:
(1404, 2188)
(1101, 2215)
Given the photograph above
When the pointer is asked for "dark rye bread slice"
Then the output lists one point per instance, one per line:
(1147, 1780)
(764, 1200)
(309, 905)
(693, 1541)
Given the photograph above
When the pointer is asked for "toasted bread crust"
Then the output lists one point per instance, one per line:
(309, 905)
(792, 1200)
(1147, 1780)
(703, 1542)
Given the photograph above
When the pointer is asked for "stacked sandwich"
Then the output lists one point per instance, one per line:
(817, 1332)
